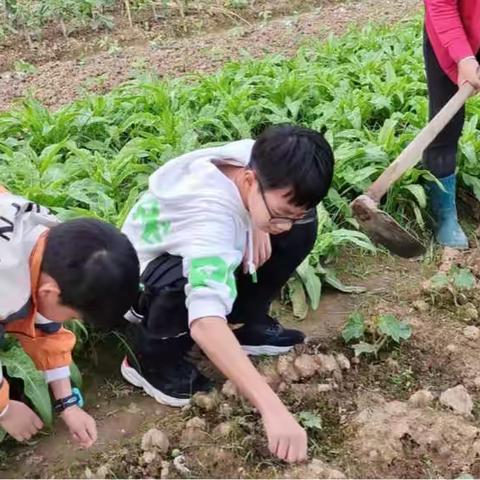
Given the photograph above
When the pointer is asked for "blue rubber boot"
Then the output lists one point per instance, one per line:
(448, 231)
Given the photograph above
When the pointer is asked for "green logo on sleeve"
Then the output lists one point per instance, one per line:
(212, 269)
(147, 214)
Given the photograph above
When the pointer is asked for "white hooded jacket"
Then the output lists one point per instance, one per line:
(192, 210)
(21, 224)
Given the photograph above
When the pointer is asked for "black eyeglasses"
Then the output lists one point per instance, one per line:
(274, 220)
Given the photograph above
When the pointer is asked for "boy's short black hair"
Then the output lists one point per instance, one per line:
(297, 157)
(96, 268)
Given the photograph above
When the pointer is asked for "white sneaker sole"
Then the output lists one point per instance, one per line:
(270, 350)
(133, 377)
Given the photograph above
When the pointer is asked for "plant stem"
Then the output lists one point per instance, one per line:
(129, 13)
(380, 343)
(63, 28)
(29, 39)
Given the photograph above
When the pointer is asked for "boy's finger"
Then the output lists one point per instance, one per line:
(87, 444)
(255, 256)
(81, 436)
(290, 453)
(92, 431)
(37, 422)
(273, 445)
(293, 454)
(282, 449)
(260, 256)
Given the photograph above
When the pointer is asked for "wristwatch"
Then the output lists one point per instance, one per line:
(63, 403)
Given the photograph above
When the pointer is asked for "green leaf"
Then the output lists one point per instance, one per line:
(334, 282)
(354, 328)
(309, 420)
(19, 365)
(75, 375)
(298, 298)
(241, 125)
(473, 182)
(418, 216)
(312, 283)
(386, 137)
(342, 236)
(463, 279)
(392, 327)
(380, 101)
(355, 117)
(364, 347)
(439, 281)
(418, 193)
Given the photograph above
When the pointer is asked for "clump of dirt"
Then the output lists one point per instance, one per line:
(458, 399)
(421, 398)
(387, 434)
(155, 440)
(315, 469)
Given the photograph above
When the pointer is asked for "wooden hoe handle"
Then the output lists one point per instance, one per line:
(411, 155)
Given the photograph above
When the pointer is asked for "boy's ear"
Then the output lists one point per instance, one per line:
(48, 286)
(250, 177)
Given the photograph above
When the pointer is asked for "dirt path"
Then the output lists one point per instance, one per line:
(58, 82)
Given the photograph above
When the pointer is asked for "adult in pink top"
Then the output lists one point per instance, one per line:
(452, 54)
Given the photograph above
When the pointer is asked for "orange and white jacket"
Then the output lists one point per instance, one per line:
(23, 233)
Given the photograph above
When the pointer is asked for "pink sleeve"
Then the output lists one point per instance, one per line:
(445, 19)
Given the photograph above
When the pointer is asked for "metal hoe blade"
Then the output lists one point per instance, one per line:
(384, 230)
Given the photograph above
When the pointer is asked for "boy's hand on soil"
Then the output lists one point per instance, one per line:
(469, 71)
(20, 421)
(81, 425)
(262, 249)
(286, 438)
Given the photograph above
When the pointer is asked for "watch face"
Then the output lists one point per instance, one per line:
(63, 403)
(79, 397)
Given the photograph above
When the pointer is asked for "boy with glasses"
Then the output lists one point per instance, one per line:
(204, 215)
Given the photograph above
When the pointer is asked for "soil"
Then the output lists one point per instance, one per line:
(96, 62)
(368, 427)
(360, 420)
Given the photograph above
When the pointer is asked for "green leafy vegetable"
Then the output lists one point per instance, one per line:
(463, 279)
(309, 420)
(19, 365)
(392, 327)
(355, 327)
(439, 281)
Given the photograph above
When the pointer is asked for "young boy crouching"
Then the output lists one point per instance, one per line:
(51, 272)
(218, 234)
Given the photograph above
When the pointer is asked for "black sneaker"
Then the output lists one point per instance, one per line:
(173, 384)
(268, 339)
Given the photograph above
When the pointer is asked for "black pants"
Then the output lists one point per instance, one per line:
(441, 156)
(163, 334)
